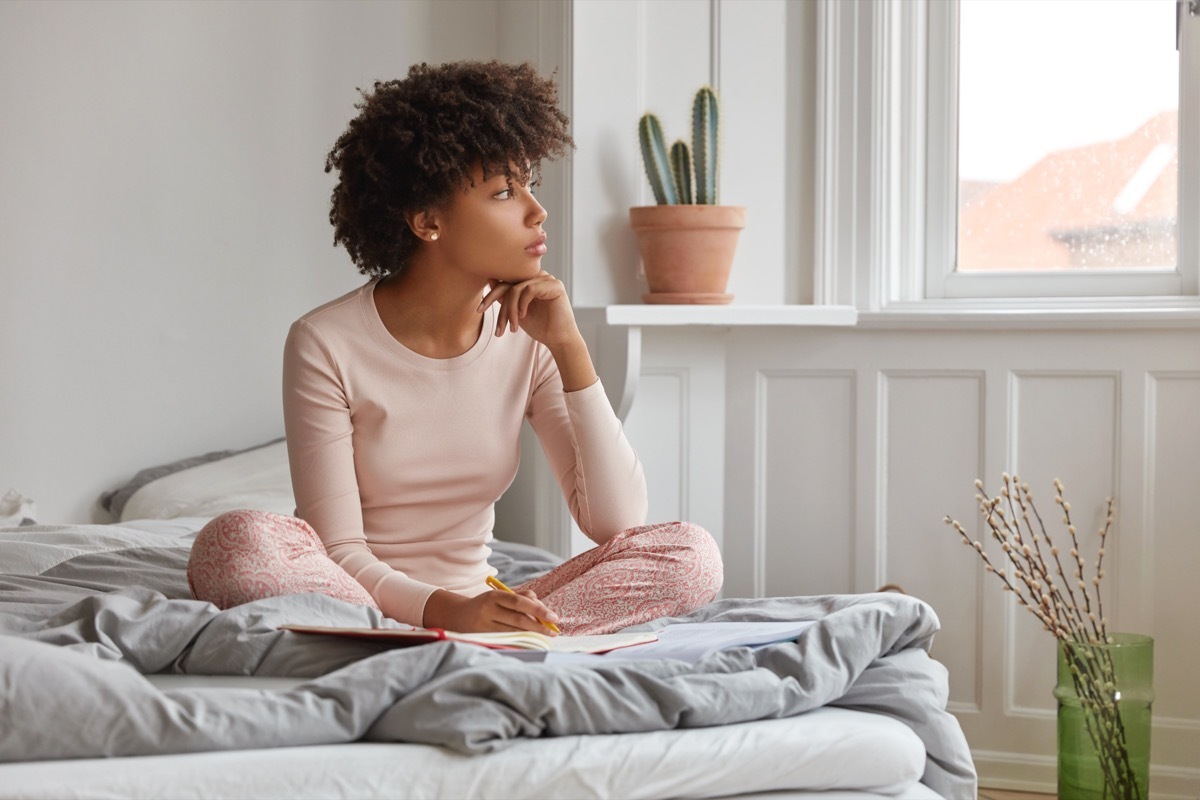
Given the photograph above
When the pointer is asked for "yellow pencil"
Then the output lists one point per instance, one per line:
(496, 583)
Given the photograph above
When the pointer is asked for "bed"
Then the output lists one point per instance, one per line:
(115, 683)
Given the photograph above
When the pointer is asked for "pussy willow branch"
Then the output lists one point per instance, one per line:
(1029, 563)
(1025, 567)
(1012, 487)
(1080, 564)
(1034, 563)
(1026, 500)
(1067, 610)
(1033, 582)
(1048, 620)
(1108, 518)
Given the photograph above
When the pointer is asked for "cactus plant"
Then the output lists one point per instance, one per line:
(673, 176)
(687, 240)
(681, 169)
(706, 118)
(654, 156)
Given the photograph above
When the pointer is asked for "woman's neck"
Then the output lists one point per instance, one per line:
(431, 312)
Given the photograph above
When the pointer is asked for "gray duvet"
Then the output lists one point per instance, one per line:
(78, 632)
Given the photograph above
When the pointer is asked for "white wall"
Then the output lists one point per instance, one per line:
(164, 212)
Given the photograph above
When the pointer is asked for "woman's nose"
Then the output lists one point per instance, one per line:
(537, 213)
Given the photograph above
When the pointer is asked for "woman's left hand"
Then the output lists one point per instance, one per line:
(539, 305)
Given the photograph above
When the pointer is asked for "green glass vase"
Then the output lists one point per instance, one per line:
(1104, 694)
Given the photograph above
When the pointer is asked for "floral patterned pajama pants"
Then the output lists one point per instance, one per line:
(639, 575)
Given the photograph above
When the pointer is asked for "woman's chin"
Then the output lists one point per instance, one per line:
(518, 273)
(530, 270)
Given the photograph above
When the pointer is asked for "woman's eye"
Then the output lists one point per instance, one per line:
(509, 193)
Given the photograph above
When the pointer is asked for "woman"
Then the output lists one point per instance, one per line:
(404, 399)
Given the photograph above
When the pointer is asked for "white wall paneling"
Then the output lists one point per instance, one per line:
(753, 91)
(1171, 551)
(1063, 424)
(845, 448)
(684, 372)
(667, 464)
(800, 143)
(804, 468)
(931, 435)
(608, 80)
(790, 479)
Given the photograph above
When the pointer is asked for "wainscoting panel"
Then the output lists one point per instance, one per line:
(932, 435)
(666, 463)
(1172, 536)
(826, 460)
(1064, 424)
(804, 434)
(677, 426)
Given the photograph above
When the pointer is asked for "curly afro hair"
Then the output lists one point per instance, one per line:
(415, 141)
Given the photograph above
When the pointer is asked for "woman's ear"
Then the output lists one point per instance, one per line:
(424, 225)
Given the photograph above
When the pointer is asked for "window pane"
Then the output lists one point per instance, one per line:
(1068, 126)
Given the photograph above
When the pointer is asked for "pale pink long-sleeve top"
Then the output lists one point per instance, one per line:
(397, 459)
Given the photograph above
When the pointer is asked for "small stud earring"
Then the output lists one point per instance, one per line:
(433, 237)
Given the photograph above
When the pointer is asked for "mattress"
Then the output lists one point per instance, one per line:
(823, 750)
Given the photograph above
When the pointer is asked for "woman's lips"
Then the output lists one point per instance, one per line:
(538, 248)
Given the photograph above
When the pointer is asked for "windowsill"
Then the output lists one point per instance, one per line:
(1113, 313)
(1121, 313)
(731, 315)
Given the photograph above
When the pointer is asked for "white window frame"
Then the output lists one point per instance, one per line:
(886, 206)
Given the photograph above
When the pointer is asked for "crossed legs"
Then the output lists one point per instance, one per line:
(639, 575)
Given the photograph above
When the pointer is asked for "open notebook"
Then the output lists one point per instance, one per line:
(508, 640)
(688, 641)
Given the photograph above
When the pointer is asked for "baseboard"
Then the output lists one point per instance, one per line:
(1027, 773)
(1016, 772)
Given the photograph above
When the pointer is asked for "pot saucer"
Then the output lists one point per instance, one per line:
(686, 298)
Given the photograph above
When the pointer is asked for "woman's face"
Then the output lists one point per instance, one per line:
(493, 229)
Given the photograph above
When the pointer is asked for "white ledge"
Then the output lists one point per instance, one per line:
(1041, 314)
(730, 315)
(615, 333)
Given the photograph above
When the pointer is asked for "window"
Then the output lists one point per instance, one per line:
(1067, 149)
(1067, 155)
(1058, 198)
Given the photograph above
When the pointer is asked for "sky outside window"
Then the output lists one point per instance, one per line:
(1068, 130)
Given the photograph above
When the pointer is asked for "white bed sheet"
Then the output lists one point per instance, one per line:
(826, 751)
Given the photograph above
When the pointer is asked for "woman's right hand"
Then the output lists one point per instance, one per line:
(490, 611)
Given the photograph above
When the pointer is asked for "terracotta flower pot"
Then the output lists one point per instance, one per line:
(687, 250)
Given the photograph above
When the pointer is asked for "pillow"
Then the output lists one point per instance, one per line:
(114, 501)
(259, 478)
(208, 485)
